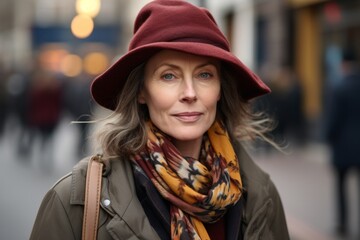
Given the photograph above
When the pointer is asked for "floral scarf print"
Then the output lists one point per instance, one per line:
(198, 190)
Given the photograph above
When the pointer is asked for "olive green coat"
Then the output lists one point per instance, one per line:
(60, 214)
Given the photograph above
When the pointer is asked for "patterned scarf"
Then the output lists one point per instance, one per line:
(198, 191)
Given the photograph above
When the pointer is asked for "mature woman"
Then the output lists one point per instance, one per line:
(173, 164)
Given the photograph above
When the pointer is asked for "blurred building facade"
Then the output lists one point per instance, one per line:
(306, 37)
(29, 28)
(322, 31)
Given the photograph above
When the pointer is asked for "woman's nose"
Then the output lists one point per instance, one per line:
(189, 92)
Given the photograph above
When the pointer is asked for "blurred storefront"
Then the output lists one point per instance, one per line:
(320, 31)
(307, 53)
(75, 38)
(37, 28)
(65, 42)
(306, 37)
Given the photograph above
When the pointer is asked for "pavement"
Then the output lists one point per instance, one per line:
(305, 181)
(303, 177)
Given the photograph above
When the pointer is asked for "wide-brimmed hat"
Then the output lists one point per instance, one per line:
(175, 25)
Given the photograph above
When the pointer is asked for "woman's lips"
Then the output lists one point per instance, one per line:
(188, 116)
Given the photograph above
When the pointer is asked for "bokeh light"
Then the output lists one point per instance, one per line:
(95, 63)
(50, 58)
(82, 26)
(71, 65)
(88, 7)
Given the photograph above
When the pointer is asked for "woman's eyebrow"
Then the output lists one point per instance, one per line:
(173, 65)
(208, 64)
(167, 64)
(156, 68)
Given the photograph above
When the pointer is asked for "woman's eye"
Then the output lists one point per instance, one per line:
(205, 75)
(168, 76)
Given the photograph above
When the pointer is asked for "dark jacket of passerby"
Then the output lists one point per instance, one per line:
(343, 128)
(45, 102)
(126, 212)
(77, 98)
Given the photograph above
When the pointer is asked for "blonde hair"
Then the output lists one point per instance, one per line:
(241, 120)
(124, 131)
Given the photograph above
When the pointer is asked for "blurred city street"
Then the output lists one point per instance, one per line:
(303, 178)
(51, 51)
(24, 180)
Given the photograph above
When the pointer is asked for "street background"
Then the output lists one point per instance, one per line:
(51, 50)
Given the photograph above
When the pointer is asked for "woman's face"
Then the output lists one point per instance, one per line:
(181, 92)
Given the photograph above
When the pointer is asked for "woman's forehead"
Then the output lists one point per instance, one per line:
(177, 57)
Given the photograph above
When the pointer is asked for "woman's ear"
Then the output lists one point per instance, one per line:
(141, 98)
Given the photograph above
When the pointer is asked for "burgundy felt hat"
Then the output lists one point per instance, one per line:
(175, 25)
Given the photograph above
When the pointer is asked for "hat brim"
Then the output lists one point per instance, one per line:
(106, 87)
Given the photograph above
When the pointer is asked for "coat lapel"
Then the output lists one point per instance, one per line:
(130, 221)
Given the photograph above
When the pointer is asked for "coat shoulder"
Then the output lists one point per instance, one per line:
(71, 187)
(263, 206)
(59, 218)
(250, 171)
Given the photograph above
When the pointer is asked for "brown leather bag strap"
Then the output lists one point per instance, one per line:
(92, 198)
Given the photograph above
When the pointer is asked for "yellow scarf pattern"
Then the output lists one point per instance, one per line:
(198, 190)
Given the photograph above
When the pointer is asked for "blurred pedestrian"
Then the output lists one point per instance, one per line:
(343, 131)
(17, 100)
(173, 166)
(284, 105)
(286, 99)
(3, 98)
(44, 111)
(78, 103)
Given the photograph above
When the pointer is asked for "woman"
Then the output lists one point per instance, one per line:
(173, 166)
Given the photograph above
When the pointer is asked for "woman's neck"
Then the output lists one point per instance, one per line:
(189, 148)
